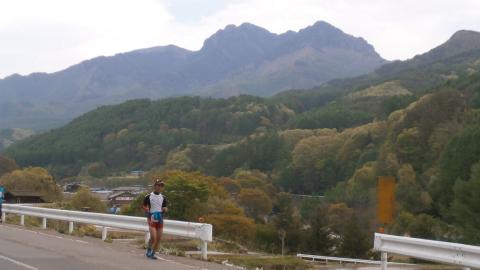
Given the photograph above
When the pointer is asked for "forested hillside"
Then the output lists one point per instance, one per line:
(9, 136)
(417, 121)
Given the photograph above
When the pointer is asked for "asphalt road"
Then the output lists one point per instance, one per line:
(22, 249)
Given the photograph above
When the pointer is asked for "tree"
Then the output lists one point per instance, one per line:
(308, 207)
(261, 152)
(97, 169)
(354, 242)
(317, 237)
(255, 179)
(256, 203)
(409, 192)
(287, 221)
(425, 226)
(331, 117)
(339, 215)
(466, 206)
(402, 223)
(187, 194)
(313, 167)
(266, 238)
(179, 160)
(218, 205)
(32, 179)
(86, 199)
(230, 185)
(459, 156)
(235, 227)
(135, 207)
(409, 149)
(7, 165)
(361, 187)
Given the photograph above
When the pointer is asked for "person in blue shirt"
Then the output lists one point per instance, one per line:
(2, 196)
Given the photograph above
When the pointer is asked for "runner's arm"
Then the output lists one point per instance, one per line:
(146, 204)
(164, 205)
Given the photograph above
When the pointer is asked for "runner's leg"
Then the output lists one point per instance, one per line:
(153, 237)
(159, 233)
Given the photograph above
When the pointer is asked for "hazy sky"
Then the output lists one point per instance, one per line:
(49, 35)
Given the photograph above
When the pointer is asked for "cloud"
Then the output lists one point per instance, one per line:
(50, 35)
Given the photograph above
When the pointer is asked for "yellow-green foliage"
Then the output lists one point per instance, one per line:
(293, 136)
(409, 192)
(179, 160)
(386, 89)
(32, 179)
(356, 139)
(254, 179)
(312, 151)
(84, 199)
(236, 227)
(256, 202)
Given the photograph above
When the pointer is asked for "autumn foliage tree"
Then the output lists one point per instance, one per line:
(32, 179)
(255, 202)
(7, 165)
(86, 200)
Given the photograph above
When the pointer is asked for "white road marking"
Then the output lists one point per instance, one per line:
(171, 261)
(46, 234)
(18, 263)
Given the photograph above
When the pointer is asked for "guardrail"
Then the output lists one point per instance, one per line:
(327, 259)
(199, 231)
(435, 251)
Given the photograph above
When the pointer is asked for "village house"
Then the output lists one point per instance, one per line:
(23, 196)
(121, 198)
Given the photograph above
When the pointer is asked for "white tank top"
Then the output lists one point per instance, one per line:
(156, 202)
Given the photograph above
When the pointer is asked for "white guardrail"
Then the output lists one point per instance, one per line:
(326, 259)
(435, 251)
(199, 231)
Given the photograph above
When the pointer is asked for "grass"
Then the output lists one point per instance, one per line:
(264, 262)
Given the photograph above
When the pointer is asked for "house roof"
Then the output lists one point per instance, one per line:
(24, 193)
(134, 188)
(119, 193)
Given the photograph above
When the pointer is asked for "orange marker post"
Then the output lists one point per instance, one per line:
(385, 200)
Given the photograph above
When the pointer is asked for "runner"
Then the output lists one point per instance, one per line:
(155, 205)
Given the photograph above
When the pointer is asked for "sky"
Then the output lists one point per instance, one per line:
(50, 35)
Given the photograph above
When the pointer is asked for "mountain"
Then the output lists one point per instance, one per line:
(463, 45)
(152, 129)
(416, 120)
(458, 57)
(244, 59)
(10, 136)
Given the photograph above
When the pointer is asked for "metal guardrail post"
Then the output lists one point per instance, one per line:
(70, 227)
(44, 223)
(199, 231)
(384, 260)
(104, 233)
(429, 250)
(204, 249)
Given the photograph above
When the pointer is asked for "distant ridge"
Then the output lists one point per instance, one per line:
(244, 59)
